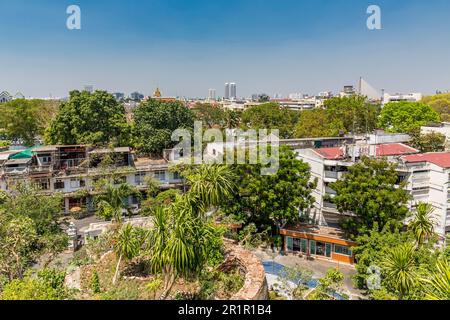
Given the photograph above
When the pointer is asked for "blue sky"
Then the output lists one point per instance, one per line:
(189, 46)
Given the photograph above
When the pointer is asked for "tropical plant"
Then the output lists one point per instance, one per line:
(211, 184)
(127, 246)
(422, 224)
(113, 200)
(400, 269)
(153, 286)
(95, 282)
(181, 239)
(437, 286)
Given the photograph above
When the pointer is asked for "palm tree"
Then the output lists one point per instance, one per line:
(180, 242)
(211, 184)
(399, 268)
(422, 224)
(437, 287)
(113, 201)
(127, 246)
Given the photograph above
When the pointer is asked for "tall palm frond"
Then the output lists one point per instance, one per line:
(399, 269)
(437, 287)
(423, 223)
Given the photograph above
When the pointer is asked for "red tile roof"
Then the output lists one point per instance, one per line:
(441, 159)
(331, 153)
(394, 149)
(383, 150)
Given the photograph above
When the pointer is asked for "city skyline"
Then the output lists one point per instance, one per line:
(186, 48)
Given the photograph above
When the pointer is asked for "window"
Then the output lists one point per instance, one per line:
(139, 178)
(82, 183)
(176, 176)
(160, 175)
(74, 183)
(320, 249)
(59, 184)
(43, 184)
(312, 247)
(342, 250)
(297, 245)
(46, 159)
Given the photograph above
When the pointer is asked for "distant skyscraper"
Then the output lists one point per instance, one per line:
(227, 91)
(233, 90)
(136, 96)
(89, 88)
(119, 96)
(212, 94)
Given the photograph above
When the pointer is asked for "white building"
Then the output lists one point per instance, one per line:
(410, 97)
(70, 170)
(330, 164)
(212, 94)
(233, 94)
(428, 177)
(226, 95)
(442, 128)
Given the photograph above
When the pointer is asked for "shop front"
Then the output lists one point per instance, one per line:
(318, 242)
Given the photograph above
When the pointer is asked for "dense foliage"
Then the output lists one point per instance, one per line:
(271, 200)
(440, 103)
(154, 122)
(29, 228)
(24, 120)
(369, 191)
(406, 116)
(339, 116)
(89, 118)
(270, 116)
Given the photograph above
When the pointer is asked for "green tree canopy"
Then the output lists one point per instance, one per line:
(90, 118)
(29, 227)
(271, 200)
(270, 116)
(440, 103)
(369, 191)
(25, 120)
(429, 142)
(211, 116)
(348, 114)
(318, 123)
(406, 116)
(155, 122)
(356, 113)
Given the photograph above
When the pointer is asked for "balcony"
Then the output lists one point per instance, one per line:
(41, 169)
(331, 175)
(15, 170)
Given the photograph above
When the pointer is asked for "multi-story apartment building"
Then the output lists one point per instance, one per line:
(428, 180)
(427, 177)
(330, 164)
(73, 170)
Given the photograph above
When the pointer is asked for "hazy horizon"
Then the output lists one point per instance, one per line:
(188, 47)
